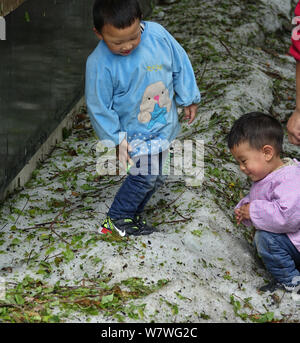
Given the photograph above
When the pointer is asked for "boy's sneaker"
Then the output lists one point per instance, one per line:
(105, 227)
(293, 288)
(274, 285)
(124, 227)
(271, 287)
(144, 227)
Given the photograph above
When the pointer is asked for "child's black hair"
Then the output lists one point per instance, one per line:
(258, 129)
(118, 13)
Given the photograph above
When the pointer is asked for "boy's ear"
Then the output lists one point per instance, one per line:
(97, 33)
(268, 151)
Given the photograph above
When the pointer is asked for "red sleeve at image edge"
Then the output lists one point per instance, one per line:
(295, 46)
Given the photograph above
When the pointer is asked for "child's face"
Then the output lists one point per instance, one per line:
(254, 163)
(121, 41)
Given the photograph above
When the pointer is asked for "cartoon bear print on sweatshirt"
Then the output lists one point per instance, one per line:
(156, 103)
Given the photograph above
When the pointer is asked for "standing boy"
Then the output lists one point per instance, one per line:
(135, 77)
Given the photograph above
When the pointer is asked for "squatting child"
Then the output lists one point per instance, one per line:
(273, 204)
(135, 78)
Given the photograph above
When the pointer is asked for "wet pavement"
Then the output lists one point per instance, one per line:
(42, 64)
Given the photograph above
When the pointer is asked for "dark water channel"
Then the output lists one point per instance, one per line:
(42, 64)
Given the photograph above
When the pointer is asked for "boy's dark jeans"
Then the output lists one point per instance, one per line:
(280, 256)
(144, 179)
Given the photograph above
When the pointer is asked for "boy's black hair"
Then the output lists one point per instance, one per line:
(118, 13)
(258, 129)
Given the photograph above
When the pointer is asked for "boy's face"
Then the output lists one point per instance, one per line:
(121, 41)
(254, 163)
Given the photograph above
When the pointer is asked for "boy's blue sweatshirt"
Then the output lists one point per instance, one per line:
(135, 96)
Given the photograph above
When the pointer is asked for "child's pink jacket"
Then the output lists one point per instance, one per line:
(275, 203)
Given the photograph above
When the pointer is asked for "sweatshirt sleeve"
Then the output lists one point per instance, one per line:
(282, 214)
(184, 81)
(99, 96)
(295, 46)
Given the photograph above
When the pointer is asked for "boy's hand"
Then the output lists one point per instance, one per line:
(242, 213)
(122, 153)
(190, 112)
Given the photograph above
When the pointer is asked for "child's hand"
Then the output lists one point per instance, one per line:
(122, 153)
(237, 213)
(190, 112)
(245, 211)
(242, 213)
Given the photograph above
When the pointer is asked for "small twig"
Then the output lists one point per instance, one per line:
(224, 45)
(48, 256)
(165, 206)
(55, 221)
(11, 305)
(71, 170)
(175, 221)
(175, 209)
(249, 305)
(36, 226)
(204, 70)
(29, 256)
(3, 226)
(281, 297)
(21, 211)
(172, 202)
